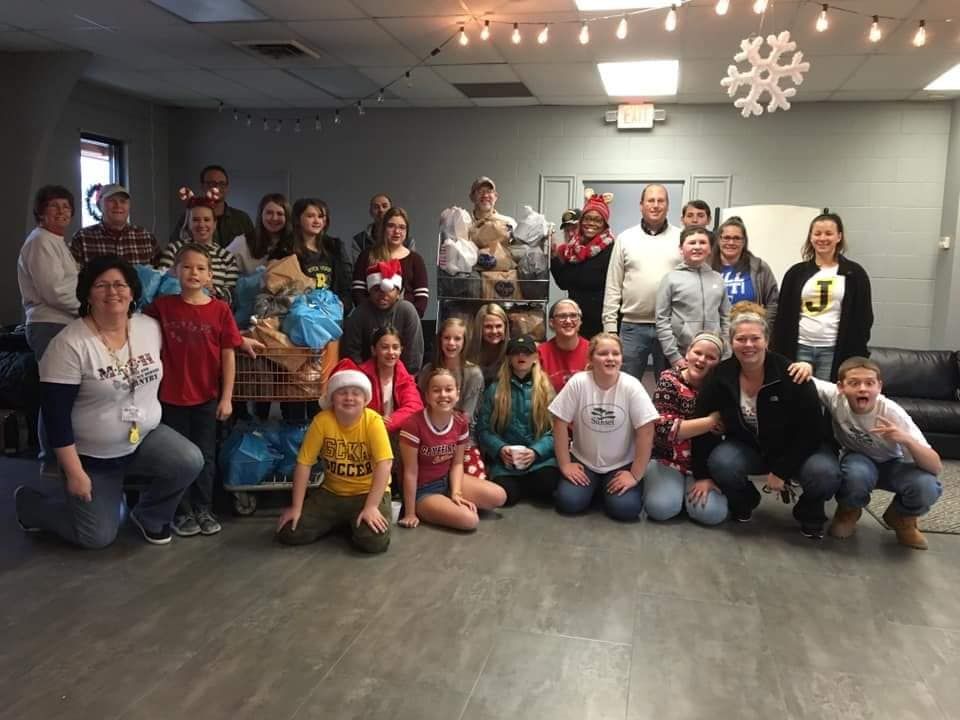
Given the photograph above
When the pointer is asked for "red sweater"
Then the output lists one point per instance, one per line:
(406, 397)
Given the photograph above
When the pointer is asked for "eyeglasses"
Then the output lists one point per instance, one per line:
(566, 317)
(116, 286)
(731, 238)
(215, 183)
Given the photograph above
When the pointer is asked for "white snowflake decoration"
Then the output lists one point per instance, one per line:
(765, 73)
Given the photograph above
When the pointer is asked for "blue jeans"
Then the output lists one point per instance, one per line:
(640, 342)
(732, 462)
(572, 499)
(820, 357)
(165, 456)
(39, 336)
(665, 495)
(915, 490)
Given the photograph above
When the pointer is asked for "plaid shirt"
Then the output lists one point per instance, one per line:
(132, 243)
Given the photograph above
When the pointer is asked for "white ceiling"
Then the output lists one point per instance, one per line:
(361, 45)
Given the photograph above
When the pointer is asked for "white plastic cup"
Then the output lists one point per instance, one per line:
(513, 449)
(395, 506)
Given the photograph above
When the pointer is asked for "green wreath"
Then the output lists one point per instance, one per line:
(92, 199)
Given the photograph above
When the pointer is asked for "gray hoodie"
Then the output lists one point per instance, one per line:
(690, 300)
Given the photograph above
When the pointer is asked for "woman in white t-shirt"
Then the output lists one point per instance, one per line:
(99, 380)
(613, 424)
(825, 312)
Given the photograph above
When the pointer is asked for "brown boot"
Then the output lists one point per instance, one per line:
(844, 523)
(905, 526)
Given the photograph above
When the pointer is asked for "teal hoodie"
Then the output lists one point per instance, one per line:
(519, 430)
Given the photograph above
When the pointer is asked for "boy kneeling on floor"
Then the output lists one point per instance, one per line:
(352, 441)
(880, 447)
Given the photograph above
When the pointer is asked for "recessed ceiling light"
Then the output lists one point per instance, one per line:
(950, 80)
(600, 5)
(644, 78)
(206, 11)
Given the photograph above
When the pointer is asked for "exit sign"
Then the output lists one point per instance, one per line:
(635, 116)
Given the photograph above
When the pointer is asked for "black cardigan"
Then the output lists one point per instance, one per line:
(856, 312)
(585, 282)
(789, 417)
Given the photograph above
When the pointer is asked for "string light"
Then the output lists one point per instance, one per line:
(360, 110)
(317, 125)
(249, 119)
(297, 127)
(920, 39)
(584, 34)
(722, 7)
(463, 39)
(760, 7)
(622, 28)
(279, 126)
(408, 79)
(380, 96)
(336, 117)
(822, 22)
(875, 32)
(671, 22)
(236, 114)
(266, 125)
(220, 107)
(543, 35)
(515, 36)
(485, 33)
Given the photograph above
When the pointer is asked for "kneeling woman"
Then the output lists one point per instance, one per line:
(613, 420)
(668, 486)
(772, 426)
(432, 444)
(99, 380)
(514, 426)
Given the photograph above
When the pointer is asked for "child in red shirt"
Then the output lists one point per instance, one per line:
(432, 443)
(199, 366)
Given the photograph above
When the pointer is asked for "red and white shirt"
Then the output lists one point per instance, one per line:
(435, 446)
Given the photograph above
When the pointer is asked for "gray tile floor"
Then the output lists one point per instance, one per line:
(534, 616)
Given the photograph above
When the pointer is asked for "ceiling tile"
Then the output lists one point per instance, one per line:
(868, 95)
(424, 83)
(422, 8)
(702, 76)
(202, 82)
(307, 9)
(574, 99)
(896, 72)
(486, 73)
(421, 35)
(356, 42)
(119, 45)
(339, 82)
(847, 32)
(275, 83)
(568, 79)
(829, 72)
(67, 14)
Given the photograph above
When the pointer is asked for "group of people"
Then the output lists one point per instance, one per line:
(492, 418)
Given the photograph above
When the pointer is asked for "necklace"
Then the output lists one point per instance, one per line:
(126, 371)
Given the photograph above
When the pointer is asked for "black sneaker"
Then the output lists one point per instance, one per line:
(154, 537)
(814, 532)
(16, 509)
(742, 517)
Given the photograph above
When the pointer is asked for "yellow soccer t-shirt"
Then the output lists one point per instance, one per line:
(349, 454)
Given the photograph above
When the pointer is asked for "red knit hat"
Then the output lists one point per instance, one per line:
(598, 204)
(385, 274)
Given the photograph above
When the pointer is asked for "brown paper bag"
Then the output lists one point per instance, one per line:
(279, 348)
(286, 276)
(487, 233)
(527, 322)
(501, 285)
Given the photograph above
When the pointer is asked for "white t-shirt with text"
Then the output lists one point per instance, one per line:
(77, 356)
(604, 421)
(820, 302)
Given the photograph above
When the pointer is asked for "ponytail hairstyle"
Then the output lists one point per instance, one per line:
(541, 395)
(595, 342)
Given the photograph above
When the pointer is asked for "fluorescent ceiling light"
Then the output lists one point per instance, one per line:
(209, 11)
(600, 5)
(644, 78)
(950, 80)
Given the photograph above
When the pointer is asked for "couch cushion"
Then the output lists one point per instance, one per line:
(941, 416)
(931, 374)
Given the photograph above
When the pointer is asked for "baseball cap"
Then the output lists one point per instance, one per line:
(570, 217)
(524, 344)
(109, 191)
(480, 182)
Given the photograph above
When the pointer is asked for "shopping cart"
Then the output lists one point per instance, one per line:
(279, 375)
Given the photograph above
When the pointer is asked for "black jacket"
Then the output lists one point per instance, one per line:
(789, 417)
(585, 282)
(856, 312)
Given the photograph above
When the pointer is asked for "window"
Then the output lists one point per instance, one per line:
(101, 162)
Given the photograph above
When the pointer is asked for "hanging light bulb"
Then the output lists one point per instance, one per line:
(266, 125)
(317, 125)
(463, 39)
(875, 32)
(822, 22)
(360, 109)
(544, 35)
(297, 127)
(380, 96)
(920, 39)
(485, 33)
(722, 7)
(408, 79)
(584, 34)
(220, 107)
(249, 119)
(336, 117)
(622, 28)
(515, 36)
(236, 114)
(760, 6)
(279, 126)
(671, 22)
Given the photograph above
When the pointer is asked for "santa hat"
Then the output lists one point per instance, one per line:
(346, 374)
(386, 275)
(598, 204)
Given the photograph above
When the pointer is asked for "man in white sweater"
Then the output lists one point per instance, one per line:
(641, 256)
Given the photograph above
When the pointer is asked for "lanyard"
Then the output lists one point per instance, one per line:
(126, 371)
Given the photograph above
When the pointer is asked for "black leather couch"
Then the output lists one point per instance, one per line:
(926, 383)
